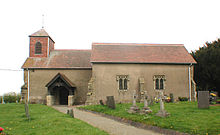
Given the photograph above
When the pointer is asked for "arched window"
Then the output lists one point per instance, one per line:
(157, 83)
(123, 81)
(125, 84)
(161, 83)
(38, 48)
(120, 84)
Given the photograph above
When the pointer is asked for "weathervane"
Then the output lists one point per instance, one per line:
(42, 21)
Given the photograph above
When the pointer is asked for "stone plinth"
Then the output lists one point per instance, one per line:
(162, 113)
(50, 100)
(70, 100)
(134, 109)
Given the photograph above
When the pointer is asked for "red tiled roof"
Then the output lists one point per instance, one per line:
(63, 77)
(61, 59)
(140, 53)
(40, 32)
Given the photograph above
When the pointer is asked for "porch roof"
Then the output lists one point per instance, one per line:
(64, 78)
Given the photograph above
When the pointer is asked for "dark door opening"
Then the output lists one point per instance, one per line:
(63, 95)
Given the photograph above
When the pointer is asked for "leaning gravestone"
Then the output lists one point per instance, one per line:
(101, 102)
(110, 102)
(203, 99)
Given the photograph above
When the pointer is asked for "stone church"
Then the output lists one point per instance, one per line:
(68, 77)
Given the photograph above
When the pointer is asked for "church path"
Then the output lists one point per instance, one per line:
(111, 126)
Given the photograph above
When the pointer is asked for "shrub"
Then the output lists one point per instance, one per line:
(183, 98)
(11, 97)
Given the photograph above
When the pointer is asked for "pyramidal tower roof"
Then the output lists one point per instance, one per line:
(40, 33)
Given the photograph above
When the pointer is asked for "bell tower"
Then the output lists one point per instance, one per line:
(41, 44)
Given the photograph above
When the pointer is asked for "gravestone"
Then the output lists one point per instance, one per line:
(146, 109)
(151, 101)
(101, 102)
(134, 108)
(110, 102)
(171, 98)
(70, 112)
(162, 112)
(203, 99)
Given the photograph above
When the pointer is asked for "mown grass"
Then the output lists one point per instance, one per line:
(44, 121)
(184, 117)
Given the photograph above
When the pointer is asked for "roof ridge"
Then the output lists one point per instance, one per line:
(138, 44)
(72, 50)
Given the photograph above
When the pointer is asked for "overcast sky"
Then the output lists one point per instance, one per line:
(75, 24)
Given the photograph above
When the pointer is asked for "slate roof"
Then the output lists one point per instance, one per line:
(140, 53)
(61, 59)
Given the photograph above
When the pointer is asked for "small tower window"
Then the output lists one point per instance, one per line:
(38, 48)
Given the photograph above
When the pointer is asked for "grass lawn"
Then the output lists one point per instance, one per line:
(44, 121)
(185, 117)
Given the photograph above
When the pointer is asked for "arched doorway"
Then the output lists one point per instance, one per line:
(60, 90)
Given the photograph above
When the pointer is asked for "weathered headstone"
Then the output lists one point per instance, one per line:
(162, 112)
(101, 102)
(110, 102)
(134, 108)
(146, 109)
(151, 101)
(203, 99)
(70, 112)
(171, 98)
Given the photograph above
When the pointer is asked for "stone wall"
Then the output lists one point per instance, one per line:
(177, 80)
(39, 78)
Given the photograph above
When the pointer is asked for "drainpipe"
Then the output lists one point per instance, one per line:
(190, 82)
(28, 85)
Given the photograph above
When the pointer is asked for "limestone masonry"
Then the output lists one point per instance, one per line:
(68, 77)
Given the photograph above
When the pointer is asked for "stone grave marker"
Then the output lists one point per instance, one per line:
(203, 99)
(162, 112)
(110, 102)
(146, 109)
(70, 112)
(101, 102)
(134, 108)
(171, 98)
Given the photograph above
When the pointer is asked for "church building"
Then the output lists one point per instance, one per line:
(68, 77)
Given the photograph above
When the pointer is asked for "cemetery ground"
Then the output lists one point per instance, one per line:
(44, 121)
(184, 117)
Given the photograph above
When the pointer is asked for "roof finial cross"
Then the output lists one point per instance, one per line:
(42, 21)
